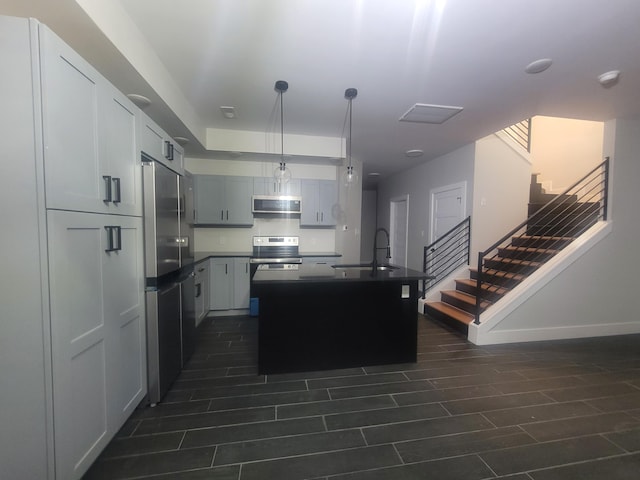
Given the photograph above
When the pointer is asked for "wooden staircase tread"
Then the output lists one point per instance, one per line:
(545, 238)
(500, 273)
(515, 261)
(451, 311)
(546, 251)
(486, 286)
(465, 298)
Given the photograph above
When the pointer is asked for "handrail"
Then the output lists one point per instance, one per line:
(520, 133)
(568, 214)
(446, 254)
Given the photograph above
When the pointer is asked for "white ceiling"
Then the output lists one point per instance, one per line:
(468, 53)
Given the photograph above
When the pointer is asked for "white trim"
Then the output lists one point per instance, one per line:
(484, 334)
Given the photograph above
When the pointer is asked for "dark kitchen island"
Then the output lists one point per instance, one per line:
(317, 317)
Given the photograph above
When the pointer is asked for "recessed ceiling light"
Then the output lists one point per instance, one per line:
(228, 112)
(538, 66)
(414, 153)
(374, 174)
(424, 113)
(181, 140)
(140, 101)
(609, 79)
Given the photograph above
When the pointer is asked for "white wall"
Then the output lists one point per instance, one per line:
(595, 295)
(418, 182)
(501, 192)
(349, 228)
(369, 212)
(563, 150)
(229, 239)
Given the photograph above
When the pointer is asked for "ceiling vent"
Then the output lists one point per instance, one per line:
(423, 113)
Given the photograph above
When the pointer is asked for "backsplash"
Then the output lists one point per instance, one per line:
(239, 239)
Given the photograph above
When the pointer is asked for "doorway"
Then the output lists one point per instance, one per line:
(399, 222)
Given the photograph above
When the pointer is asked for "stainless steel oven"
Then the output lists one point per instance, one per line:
(275, 250)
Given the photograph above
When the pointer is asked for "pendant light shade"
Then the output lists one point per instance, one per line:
(282, 173)
(350, 175)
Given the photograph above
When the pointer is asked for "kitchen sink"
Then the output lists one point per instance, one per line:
(364, 266)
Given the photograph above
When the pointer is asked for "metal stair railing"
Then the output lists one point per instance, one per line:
(553, 226)
(446, 254)
(520, 133)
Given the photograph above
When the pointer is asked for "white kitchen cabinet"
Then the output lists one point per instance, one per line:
(97, 331)
(202, 290)
(269, 186)
(319, 198)
(223, 200)
(157, 144)
(229, 283)
(89, 133)
(75, 323)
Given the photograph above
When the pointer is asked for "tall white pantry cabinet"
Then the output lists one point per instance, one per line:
(72, 331)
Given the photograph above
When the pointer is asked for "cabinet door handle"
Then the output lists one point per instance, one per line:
(118, 195)
(198, 289)
(317, 217)
(322, 216)
(221, 214)
(119, 238)
(168, 150)
(114, 238)
(226, 269)
(227, 214)
(107, 188)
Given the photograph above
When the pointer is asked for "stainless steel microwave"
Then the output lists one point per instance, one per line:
(276, 204)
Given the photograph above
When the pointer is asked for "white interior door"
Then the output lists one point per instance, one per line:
(399, 227)
(448, 208)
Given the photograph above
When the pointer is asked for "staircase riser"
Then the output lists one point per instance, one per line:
(452, 322)
(531, 256)
(462, 305)
(497, 280)
(491, 296)
(558, 230)
(537, 243)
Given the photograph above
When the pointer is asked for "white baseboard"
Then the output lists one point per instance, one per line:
(555, 333)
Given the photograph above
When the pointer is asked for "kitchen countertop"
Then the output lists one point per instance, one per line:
(326, 273)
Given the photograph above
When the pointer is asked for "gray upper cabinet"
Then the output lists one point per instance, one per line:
(318, 200)
(269, 186)
(223, 200)
(89, 134)
(157, 144)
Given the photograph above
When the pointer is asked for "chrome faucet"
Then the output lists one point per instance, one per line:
(374, 263)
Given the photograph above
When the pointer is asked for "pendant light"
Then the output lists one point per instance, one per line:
(282, 173)
(350, 176)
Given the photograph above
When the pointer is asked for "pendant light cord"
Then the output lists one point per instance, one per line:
(281, 129)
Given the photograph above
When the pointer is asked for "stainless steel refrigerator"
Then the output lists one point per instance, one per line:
(169, 275)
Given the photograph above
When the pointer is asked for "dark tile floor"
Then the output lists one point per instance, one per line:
(538, 411)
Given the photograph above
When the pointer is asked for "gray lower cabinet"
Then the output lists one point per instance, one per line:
(202, 290)
(223, 200)
(318, 200)
(229, 283)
